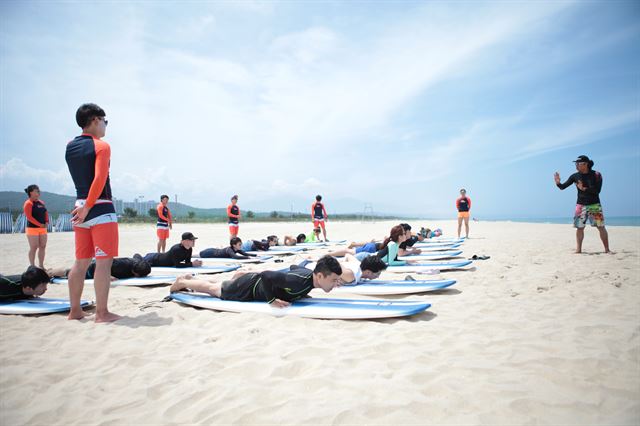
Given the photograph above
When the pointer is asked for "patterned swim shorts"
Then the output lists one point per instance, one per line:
(591, 212)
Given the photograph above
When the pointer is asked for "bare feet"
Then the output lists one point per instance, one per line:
(77, 315)
(179, 283)
(107, 317)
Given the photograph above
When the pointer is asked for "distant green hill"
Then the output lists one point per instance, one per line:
(56, 203)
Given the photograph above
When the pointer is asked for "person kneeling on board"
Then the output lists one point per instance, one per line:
(234, 251)
(178, 256)
(276, 288)
(121, 268)
(32, 283)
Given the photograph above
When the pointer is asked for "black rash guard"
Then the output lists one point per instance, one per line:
(260, 245)
(121, 268)
(177, 256)
(11, 288)
(225, 253)
(409, 242)
(593, 183)
(287, 286)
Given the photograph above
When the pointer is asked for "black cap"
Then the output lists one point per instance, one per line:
(582, 159)
(188, 236)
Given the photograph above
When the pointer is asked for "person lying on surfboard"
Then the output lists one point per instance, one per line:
(390, 246)
(121, 268)
(353, 269)
(278, 289)
(32, 283)
(178, 256)
(255, 245)
(234, 251)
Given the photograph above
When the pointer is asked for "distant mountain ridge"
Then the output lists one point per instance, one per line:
(59, 203)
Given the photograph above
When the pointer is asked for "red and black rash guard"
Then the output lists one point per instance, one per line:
(592, 181)
(36, 214)
(233, 213)
(463, 204)
(88, 159)
(164, 216)
(319, 211)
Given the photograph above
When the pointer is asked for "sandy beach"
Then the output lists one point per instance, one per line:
(536, 335)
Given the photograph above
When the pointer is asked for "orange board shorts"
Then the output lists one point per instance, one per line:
(163, 233)
(463, 214)
(318, 223)
(233, 229)
(36, 231)
(99, 241)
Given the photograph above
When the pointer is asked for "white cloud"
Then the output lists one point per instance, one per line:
(16, 171)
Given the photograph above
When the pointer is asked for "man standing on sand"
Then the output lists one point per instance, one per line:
(165, 222)
(588, 208)
(319, 215)
(233, 213)
(94, 219)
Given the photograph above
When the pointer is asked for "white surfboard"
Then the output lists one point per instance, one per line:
(277, 252)
(431, 256)
(137, 281)
(310, 307)
(429, 266)
(226, 260)
(312, 245)
(370, 288)
(426, 248)
(283, 248)
(204, 269)
(38, 305)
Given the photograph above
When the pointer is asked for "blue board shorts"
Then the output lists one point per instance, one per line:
(368, 248)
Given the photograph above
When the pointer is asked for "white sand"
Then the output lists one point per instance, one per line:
(535, 335)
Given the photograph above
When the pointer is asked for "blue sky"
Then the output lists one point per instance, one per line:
(398, 104)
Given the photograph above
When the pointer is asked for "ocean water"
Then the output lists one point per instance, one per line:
(609, 220)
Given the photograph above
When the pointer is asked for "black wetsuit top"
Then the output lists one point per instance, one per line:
(235, 210)
(39, 213)
(10, 288)
(408, 243)
(121, 268)
(463, 204)
(317, 210)
(593, 183)
(177, 256)
(287, 286)
(260, 245)
(225, 253)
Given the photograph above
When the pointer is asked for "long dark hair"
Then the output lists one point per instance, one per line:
(394, 235)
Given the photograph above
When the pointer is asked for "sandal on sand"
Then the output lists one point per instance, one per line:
(476, 257)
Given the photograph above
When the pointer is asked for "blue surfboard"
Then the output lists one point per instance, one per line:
(422, 266)
(387, 288)
(37, 305)
(310, 307)
(137, 281)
